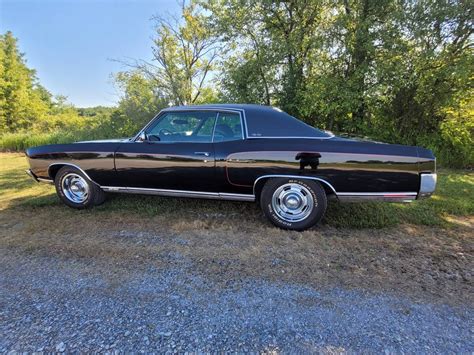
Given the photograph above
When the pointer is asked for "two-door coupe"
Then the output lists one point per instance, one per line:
(237, 152)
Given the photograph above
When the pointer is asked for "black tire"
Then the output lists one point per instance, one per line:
(88, 194)
(278, 197)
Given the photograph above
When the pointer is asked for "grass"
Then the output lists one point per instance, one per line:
(453, 198)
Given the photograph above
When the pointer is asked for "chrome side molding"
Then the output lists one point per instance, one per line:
(427, 185)
(377, 196)
(181, 193)
(47, 181)
(236, 197)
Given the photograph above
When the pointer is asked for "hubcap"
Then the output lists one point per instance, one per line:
(292, 202)
(75, 188)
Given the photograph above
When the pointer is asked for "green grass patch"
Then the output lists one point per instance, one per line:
(18, 142)
(454, 197)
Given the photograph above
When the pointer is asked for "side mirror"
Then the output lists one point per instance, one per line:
(142, 137)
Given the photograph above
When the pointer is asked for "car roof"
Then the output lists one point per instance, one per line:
(264, 121)
(223, 106)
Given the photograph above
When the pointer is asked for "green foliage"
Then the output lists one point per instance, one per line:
(30, 115)
(140, 101)
(22, 141)
(184, 51)
(453, 144)
(398, 71)
(22, 100)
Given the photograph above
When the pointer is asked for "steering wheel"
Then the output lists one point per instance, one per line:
(165, 132)
(153, 138)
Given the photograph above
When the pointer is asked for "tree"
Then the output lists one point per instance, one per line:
(22, 100)
(247, 81)
(433, 67)
(269, 46)
(184, 51)
(140, 100)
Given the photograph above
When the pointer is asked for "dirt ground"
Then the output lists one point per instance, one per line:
(427, 264)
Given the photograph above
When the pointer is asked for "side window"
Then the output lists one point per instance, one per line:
(192, 126)
(228, 127)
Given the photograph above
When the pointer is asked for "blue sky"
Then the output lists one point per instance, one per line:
(72, 43)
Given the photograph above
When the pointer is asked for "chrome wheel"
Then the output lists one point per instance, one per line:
(292, 202)
(75, 188)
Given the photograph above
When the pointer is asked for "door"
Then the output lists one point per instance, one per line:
(177, 154)
(228, 140)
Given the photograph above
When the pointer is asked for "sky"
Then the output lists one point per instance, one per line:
(74, 45)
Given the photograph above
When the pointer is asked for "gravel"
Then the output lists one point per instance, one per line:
(56, 304)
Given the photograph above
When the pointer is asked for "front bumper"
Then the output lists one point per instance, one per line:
(32, 175)
(37, 179)
(427, 185)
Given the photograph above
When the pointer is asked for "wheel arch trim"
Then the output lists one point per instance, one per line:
(74, 166)
(292, 176)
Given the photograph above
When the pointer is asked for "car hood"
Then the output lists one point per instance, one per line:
(116, 140)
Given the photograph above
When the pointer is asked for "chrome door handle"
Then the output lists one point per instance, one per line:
(206, 154)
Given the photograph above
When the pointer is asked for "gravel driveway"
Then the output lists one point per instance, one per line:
(188, 281)
(54, 304)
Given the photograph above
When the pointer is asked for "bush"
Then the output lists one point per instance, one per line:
(68, 128)
(453, 144)
(23, 141)
(448, 153)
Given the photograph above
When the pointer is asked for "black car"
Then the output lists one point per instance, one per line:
(237, 152)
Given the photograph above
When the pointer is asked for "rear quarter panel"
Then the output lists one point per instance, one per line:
(349, 166)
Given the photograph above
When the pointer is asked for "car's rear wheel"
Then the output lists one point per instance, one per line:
(76, 190)
(292, 203)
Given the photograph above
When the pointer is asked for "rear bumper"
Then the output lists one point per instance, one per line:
(427, 185)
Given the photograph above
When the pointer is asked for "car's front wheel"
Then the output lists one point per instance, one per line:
(76, 190)
(292, 203)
